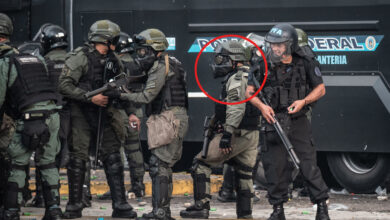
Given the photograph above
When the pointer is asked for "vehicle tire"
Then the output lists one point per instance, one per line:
(359, 172)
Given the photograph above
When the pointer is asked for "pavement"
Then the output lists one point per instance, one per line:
(341, 206)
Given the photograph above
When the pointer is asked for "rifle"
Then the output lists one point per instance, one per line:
(210, 125)
(283, 136)
(114, 83)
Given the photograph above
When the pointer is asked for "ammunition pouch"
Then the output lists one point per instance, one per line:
(35, 133)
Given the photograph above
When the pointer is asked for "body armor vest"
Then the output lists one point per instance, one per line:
(32, 84)
(288, 83)
(251, 118)
(55, 68)
(174, 92)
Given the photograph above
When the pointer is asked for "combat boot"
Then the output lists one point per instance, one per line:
(225, 195)
(278, 213)
(76, 175)
(322, 211)
(38, 199)
(113, 168)
(11, 215)
(161, 194)
(53, 213)
(87, 197)
(11, 207)
(197, 210)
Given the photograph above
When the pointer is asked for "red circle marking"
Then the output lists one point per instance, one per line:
(225, 36)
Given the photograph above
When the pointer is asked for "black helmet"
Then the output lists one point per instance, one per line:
(6, 26)
(32, 48)
(226, 55)
(53, 36)
(124, 44)
(281, 34)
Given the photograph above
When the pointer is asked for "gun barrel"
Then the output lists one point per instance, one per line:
(95, 92)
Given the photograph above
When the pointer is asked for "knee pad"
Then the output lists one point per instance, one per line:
(113, 163)
(154, 164)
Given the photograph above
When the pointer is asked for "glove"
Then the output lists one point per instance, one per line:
(226, 141)
(113, 93)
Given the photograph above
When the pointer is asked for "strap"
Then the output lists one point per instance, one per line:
(19, 167)
(47, 166)
(166, 57)
(243, 176)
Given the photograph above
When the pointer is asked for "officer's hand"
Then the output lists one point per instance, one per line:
(296, 106)
(113, 93)
(268, 113)
(134, 122)
(100, 100)
(225, 144)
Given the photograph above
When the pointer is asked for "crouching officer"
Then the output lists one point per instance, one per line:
(84, 70)
(294, 82)
(238, 142)
(166, 97)
(30, 98)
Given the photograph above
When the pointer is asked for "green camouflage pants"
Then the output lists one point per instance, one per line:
(243, 159)
(20, 156)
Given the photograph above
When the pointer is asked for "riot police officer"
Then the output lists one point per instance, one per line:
(125, 49)
(30, 99)
(294, 82)
(88, 68)
(238, 142)
(54, 43)
(165, 95)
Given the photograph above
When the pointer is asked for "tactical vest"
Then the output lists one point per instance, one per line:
(31, 85)
(288, 83)
(250, 121)
(174, 92)
(55, 68)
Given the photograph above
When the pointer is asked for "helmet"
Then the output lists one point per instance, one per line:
(153, 38)
(253, 54)
(6, 26)
(124, 44)
(104, 31)
(53, 36)
(32, 48)
(302, 37)
(148, 43)
(226, 54)
(281, 34)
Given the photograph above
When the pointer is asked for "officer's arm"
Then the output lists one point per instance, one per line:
(4, 80)
(235, 92)
(69, 78)
(316, 94)
(154, 84)
(316, 82)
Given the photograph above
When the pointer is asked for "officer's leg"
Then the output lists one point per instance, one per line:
(45, 161)
(20, 156)
(243, 165)
(87, 197)
(200, 173)
(277, 173)
(113, 167)
(6, 132)
(136, 164)
(38, 199)
(226, 193)
(301, 139)
(77, 163)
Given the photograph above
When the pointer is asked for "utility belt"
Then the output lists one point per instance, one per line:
(37, 114)
(35, 132)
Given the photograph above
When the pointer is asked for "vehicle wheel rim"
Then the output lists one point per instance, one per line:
(360, 163)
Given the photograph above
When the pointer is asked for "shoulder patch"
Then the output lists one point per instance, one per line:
(317, 71)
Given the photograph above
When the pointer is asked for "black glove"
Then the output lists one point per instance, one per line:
(113, 93)
(226, 140)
